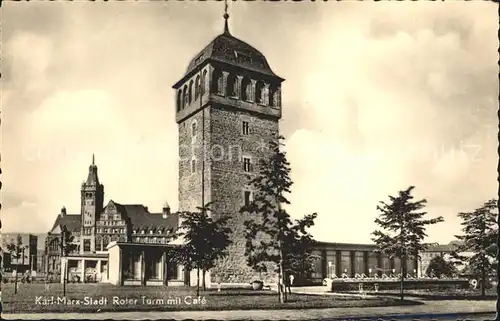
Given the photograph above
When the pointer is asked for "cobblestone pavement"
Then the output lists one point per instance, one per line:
(467, 309)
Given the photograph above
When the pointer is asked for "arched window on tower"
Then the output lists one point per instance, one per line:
(232, 86)
(190, 94)
(272, 96)
(179, 100)
(105, 242)
(259, 92)
(98, 243)
(203, 82)
(186, 97)
(197, 87)
(246, 89)
(217, 82)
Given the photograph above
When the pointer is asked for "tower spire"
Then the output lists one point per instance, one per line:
(226, 17)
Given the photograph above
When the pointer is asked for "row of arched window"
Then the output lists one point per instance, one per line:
(151, 240)
(190, 92)
(102, 242)
(246, 90)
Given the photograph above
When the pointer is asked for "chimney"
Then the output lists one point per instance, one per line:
(146, 208)
(166, 210)
(63, 211)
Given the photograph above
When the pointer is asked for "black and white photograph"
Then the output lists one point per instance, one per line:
(249, 160)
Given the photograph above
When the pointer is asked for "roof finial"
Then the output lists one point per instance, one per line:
(226, 16)
(93, 159)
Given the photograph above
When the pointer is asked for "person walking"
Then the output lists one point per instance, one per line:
(289, 283)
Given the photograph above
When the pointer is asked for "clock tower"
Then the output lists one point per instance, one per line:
(92, 199)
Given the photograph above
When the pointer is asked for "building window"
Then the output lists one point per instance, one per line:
(244, 127)
(142, 231)
(232, 84)
(203, 82)
(190, 96)
(172, 271)
(105, 242)
(246, 164)
(86, 245)
(246, 89)
(193, 129)
(193, 166)
(259, 93)
(179, 100)
(185, 97)
(217, 82)
(197, 87)
(247, 197)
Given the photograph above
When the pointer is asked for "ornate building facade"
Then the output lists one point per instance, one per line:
(97, 227)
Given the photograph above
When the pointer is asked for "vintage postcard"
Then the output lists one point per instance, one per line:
(250, 160)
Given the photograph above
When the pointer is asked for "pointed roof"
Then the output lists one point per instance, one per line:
(92, 178)
(230, 50)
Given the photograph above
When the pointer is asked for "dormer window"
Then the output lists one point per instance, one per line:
(142, 231)
(160, 231)
(151, 232)
(242, 56)
(198, 59)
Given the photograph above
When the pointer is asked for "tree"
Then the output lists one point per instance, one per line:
(441, 267)
(271, 235)
(16, 250)
(402, 229)
(480, 234)
(67, 247)
(205, 241)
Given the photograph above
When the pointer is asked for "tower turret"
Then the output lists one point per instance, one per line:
(92, 201)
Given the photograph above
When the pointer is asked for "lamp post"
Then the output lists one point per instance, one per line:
(330, 269)
(370, 272)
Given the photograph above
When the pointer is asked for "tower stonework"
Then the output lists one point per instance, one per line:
(228, 107)
(92, 200)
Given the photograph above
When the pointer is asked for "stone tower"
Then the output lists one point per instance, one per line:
(92, 199)
(228, 106)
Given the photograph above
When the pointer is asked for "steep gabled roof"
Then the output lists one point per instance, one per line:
(140, 217)
(71, 221)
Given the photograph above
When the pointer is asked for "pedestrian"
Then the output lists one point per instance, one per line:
(289, 284)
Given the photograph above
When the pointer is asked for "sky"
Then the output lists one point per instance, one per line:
(378, 96)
